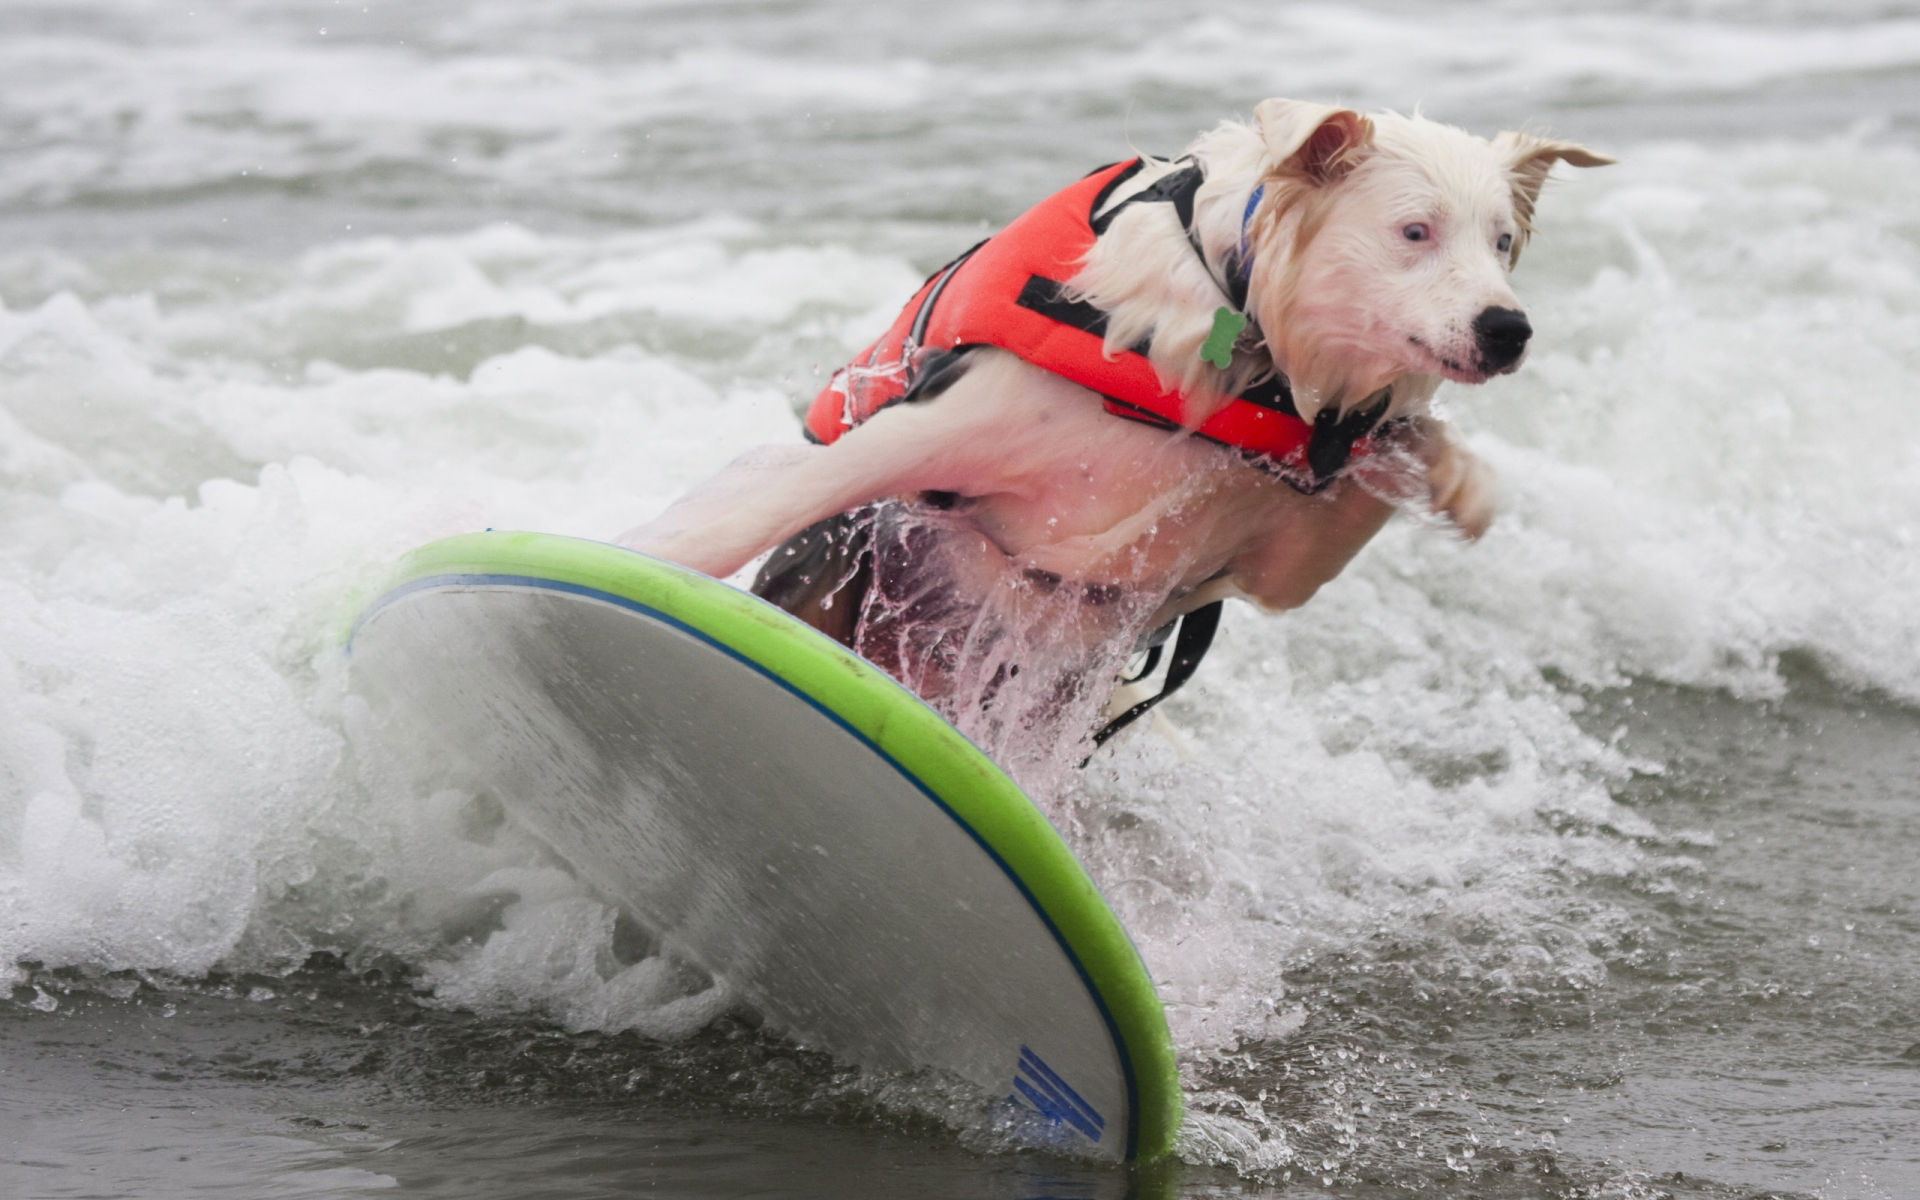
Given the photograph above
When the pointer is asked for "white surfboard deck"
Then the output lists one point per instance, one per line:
(778, 811)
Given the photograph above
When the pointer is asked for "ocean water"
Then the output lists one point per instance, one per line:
(1580, 862)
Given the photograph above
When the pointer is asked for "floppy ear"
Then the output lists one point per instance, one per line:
(1317, 142)
(1528, 160)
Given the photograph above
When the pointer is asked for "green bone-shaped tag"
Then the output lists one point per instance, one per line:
(1218, 348)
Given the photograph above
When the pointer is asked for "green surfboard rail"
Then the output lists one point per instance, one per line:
(969, 785)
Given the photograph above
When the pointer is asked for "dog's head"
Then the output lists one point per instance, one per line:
(1383, 244)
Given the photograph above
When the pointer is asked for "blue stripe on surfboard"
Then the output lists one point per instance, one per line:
(1037, 1067)
(507, 581)
(1055, 1100)
(1054, 1109)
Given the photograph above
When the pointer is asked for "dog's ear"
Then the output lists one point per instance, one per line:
(1528, 159)
(1318, 142)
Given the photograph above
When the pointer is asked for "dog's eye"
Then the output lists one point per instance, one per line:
(1419, 231)
(1504, 243)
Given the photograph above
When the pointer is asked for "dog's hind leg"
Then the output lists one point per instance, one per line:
(822, 573)
(765, 496)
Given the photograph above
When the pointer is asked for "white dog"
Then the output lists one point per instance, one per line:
(1271, 312)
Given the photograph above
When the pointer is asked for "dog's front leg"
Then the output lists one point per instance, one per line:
(1459, 486)
(1311, 540)
(1315, 537)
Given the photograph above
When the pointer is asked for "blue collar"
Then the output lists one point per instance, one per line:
(1243, 262)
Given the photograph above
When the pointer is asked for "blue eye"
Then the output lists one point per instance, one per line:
(1504, 244)
(1419, 231)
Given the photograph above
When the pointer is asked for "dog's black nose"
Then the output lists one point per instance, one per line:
(1500, 335)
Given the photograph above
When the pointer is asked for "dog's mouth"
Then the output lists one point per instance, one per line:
(1458, 371)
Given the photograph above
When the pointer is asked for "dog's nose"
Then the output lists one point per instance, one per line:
(1500, 335)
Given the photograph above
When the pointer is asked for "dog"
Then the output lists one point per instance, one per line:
(1179, 381)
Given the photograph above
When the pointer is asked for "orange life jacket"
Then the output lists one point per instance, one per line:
(1009, 291)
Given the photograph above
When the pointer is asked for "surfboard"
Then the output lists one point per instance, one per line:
(778, 811)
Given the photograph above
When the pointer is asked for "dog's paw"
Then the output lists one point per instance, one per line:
(1460, 487)
(1462, 490)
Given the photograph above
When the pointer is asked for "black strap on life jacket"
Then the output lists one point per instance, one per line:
(1179, 188)
(1190, 644)
(1333, 435)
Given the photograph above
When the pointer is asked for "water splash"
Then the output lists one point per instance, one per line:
(1021, 661)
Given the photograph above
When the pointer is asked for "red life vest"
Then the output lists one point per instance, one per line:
(1009, 292)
